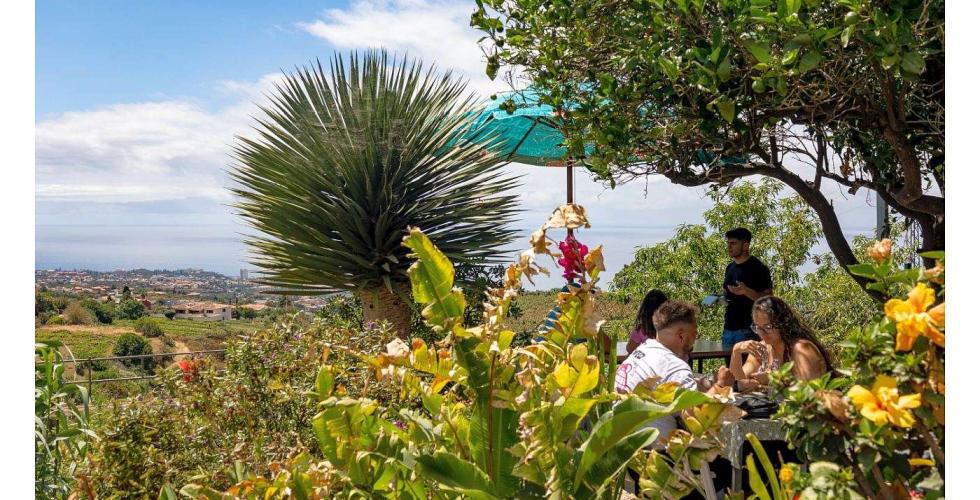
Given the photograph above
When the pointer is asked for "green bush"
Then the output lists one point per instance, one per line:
(55, 320)
(77, 314)
(130, 344)
(62, 435)
(131, 309)
(149, 327)
(43, 304)
(103, 312)
(170, 314)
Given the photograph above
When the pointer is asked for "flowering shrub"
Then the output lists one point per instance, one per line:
(200, 420)
(883, 422)
(495, 420)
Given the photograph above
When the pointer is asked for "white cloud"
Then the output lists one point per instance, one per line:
(436, 31)
(143, 151)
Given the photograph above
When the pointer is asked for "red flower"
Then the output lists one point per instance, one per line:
(573, 257)
(189, 369)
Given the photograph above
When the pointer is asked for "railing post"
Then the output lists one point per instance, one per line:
(89, 372)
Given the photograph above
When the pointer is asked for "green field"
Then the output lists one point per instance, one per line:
(535, 306)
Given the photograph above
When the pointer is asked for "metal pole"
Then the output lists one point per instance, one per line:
(568, 186)
(881, 226)
(568, 194)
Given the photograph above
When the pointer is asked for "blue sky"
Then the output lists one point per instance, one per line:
(137, 104)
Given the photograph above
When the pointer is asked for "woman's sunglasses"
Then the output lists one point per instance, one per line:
(760, 328)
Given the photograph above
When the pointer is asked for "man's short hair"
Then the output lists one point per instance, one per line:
(739, 233)
(675, 311)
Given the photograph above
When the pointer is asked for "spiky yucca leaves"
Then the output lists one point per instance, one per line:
(347, 159)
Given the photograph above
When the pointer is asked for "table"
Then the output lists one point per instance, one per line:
(732, 436)
(703, 349)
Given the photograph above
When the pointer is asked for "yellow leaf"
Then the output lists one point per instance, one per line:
(588, 377)
(568, 216)
(577, 357)
(565, 375)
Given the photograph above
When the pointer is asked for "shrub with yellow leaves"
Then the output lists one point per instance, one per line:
(882, 417)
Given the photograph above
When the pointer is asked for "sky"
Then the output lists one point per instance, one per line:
(138, 104)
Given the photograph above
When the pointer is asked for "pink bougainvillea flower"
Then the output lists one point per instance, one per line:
(573, 257)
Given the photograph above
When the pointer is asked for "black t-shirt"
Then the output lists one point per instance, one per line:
(755, 275)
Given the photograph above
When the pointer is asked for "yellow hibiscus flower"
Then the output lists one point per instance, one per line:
(883, 404)
(913, 318)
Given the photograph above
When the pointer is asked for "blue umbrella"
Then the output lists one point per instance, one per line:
(529, 134)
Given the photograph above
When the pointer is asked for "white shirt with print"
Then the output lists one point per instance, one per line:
(652, 360)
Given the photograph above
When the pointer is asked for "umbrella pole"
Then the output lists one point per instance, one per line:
(568, 192)
(568, 186)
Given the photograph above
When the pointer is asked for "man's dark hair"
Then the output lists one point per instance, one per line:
(674, 311)
(739, 233)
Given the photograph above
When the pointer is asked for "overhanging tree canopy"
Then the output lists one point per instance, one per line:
(806, 91)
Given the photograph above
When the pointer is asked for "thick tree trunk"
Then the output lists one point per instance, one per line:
(383, 305)
(829, 222)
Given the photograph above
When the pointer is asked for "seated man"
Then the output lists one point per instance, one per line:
(663, 358)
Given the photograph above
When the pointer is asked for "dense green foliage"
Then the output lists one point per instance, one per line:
(200, 422)
(888, 435)
(849, 93)
(130, 344)
(104, 312)
(149, 327)
(61, 425)
(131, 309)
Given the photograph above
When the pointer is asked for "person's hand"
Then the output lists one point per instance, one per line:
(738, 288)
(761, 377)
(748, 385)
(757, 350)
(725, 377)
(742, 346)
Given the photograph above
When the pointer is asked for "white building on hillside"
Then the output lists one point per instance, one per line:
(206, 311)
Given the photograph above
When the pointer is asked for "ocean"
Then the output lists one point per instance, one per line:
(219, 247)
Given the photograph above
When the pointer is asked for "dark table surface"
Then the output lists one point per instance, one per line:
(703, 349)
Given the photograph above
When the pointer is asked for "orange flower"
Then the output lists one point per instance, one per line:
(883, 404)
(785, 474)
(913, 317)
(936, 274)
(881, 250)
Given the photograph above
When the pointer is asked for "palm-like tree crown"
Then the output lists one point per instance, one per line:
(346, 161)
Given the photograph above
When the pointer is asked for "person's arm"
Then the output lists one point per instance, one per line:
(807, 361)
(751, 365)
(740, 288)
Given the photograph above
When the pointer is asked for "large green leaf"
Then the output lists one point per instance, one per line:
(612, 463)
(432, 278)
(622, 421)
(457, 475)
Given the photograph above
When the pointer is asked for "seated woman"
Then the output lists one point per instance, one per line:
(785, 338)
(643, 325)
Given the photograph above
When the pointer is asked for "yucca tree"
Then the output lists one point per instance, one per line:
(347, 159)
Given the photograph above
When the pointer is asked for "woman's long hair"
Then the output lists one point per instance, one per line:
(644, 316)
(791, 327)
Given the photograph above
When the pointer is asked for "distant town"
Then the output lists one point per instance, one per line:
(183, 289)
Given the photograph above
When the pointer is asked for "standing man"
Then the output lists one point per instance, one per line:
(746, 279)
